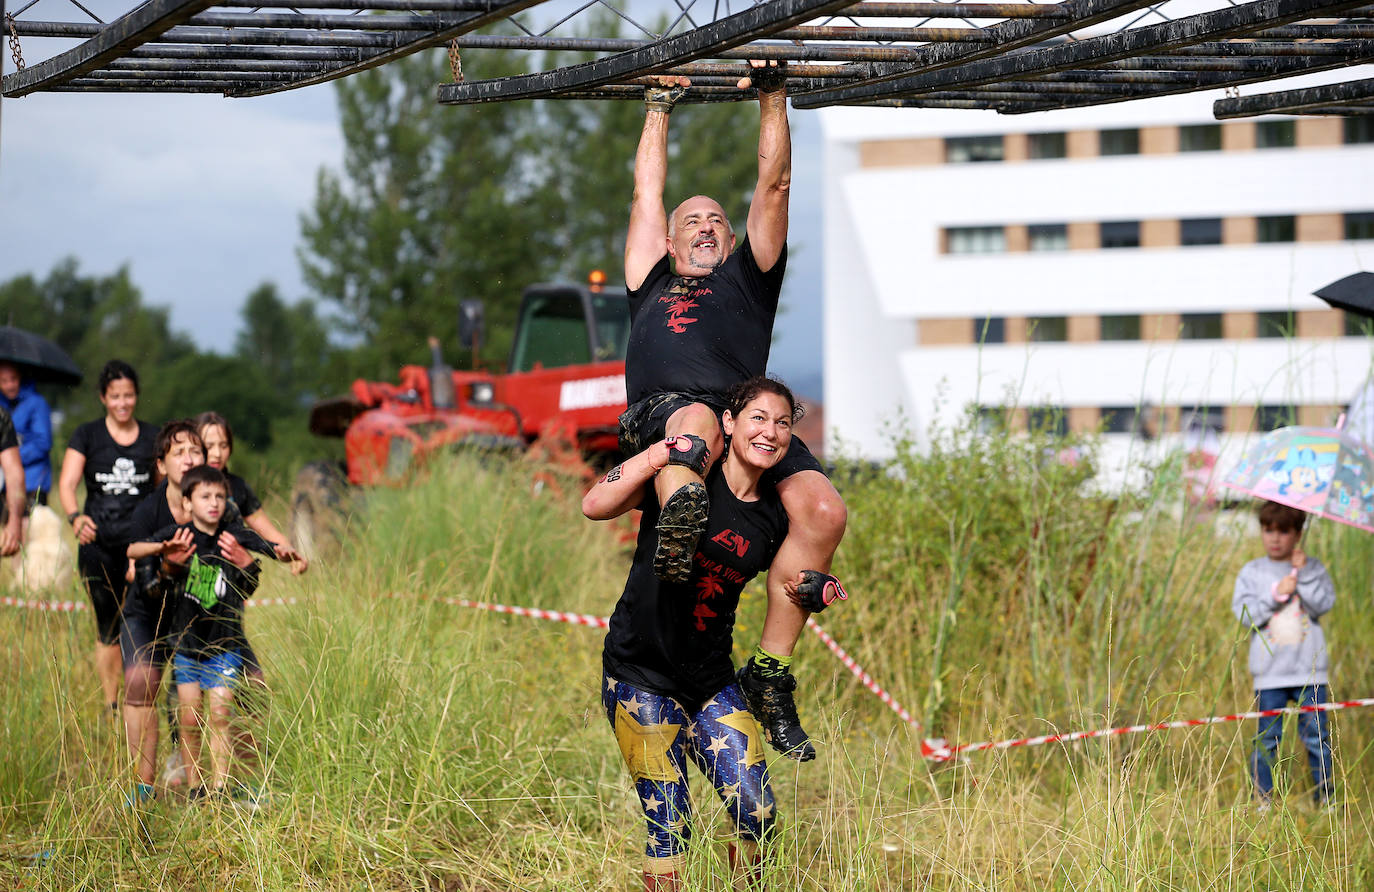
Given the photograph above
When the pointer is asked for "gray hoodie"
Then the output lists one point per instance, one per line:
(1287, 647)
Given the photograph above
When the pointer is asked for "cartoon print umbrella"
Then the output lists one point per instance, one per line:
(37, 357)
(1323, 471)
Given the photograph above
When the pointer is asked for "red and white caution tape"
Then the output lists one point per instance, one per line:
(558, 616)
(73, 606)
(864, 678)
(939, 751)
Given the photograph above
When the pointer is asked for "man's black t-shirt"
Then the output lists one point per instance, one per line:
(675, 640)
(701, 336)
(208, 613)
(117, 477)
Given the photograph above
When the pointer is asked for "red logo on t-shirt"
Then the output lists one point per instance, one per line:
(732, 541)
(708, 587)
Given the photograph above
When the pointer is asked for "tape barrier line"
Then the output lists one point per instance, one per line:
(74, 606)
(939, 751)
(864, 678)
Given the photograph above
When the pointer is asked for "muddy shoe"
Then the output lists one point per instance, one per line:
(770, 700)
(680, 526)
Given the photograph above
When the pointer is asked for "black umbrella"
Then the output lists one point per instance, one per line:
(37, 357)
(1354, 294)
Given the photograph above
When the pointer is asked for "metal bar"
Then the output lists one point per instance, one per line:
(195, 51)
(1100, 76)
(1276, 48)
(169, 87)
(1342, 31)
(1291, 101)
(1342, 110)
(957, 10)
(1151, 38)
(397, 5)
(132, 29)
(396, 22)
(495, 12)
(190, 34)
(1009, 35)
(1285, 67)
(915, 35)
(1199, 63)
(723, 34)
(107, 74)
(286, 66)
(790, 51)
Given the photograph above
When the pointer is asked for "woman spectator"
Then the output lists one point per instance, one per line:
(114, 455)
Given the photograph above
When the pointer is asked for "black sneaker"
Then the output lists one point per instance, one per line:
(770, 700)
(680, 526)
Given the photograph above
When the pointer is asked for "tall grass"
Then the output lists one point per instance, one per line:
(410, 744)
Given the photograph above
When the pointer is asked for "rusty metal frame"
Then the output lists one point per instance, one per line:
(1012, 57)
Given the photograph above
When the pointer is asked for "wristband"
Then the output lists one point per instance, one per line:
(73, 516)
(770, 78)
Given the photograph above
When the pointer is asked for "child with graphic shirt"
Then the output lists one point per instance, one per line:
(208, 564)
(1281, 597)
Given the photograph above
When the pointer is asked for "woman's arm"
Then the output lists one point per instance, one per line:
(261, 524)
(73, 466)
(623, 486)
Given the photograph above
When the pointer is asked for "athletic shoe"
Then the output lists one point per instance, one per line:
(770, 700)
(680, 526)
(174, 771)
(139, 796)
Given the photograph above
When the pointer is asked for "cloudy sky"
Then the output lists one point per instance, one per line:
(201, 197)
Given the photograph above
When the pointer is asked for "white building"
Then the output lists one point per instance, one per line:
(1099, 260)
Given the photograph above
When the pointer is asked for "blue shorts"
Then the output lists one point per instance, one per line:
(222, 669)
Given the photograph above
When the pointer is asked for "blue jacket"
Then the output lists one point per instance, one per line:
(33, 423)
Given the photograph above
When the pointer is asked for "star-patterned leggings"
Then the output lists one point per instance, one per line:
(657, 736)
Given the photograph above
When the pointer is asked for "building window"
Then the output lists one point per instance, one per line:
(963, 149)
(1359, 128)
(1275, 324)
(1120, 419)
(990, 330)
(1121, 234)
(1118, 142)
(1047, 328)
(990, 419)
(975, 240)
(1359, 226)
(1048, 145)
(1200, 326)
(1277, 229)
(1268, 418)
(1275, 135)
(1200, 138)
(1204, 418)
(1202, 231)
(1049, 237)
(1119, 328)
(1052, 420)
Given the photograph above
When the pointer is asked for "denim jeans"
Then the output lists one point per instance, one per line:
(1313, 731)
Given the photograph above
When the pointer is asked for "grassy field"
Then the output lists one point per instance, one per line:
(411, 744)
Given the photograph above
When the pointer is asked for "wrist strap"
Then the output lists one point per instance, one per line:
(663, 98)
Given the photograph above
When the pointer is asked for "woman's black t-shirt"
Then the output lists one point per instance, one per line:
(117, 477)
(242, 495)
(675, 639)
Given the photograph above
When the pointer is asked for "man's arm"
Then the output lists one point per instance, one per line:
(767, 223)
(12, 536)
(647, 239)
(36, 437)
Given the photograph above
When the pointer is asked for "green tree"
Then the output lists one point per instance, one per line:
(288, 344)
